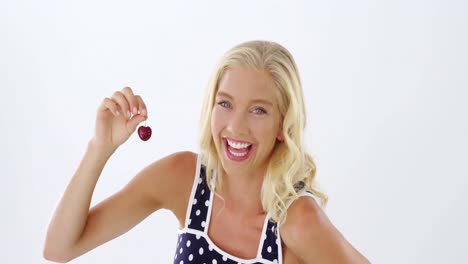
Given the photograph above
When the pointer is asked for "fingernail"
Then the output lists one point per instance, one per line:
(143, 111)
(129, 114)
(117, 112)
(135, 110)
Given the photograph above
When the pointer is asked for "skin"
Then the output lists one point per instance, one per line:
(235, 226)
(246, 109)
(237, 115)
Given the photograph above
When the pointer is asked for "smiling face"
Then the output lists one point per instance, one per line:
(245, 121)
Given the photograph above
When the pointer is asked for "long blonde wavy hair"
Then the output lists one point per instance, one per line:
(290, 169)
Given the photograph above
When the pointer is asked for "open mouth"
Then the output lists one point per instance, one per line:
(237, 150)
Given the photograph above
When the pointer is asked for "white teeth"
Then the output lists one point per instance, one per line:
(237, 145)
(238, 154)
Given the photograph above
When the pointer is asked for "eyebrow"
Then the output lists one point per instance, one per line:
(263, 101)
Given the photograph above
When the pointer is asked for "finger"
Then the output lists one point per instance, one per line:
(141, 106)
(120, 99)
(109, 104)
(129, 95)
(134, 121)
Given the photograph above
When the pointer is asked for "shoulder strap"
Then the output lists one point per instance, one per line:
(300, 194)
(199, 200)
(270, 250)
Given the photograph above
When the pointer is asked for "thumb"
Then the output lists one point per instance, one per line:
(134, 121)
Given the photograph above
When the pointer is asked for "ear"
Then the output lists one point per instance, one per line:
(280, 136)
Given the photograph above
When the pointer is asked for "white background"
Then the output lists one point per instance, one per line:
(385, 84)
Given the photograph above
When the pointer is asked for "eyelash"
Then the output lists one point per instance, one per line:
(263, 111)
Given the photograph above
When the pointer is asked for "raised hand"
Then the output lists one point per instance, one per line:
(117, 118)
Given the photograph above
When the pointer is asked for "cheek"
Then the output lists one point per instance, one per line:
(216, 123)
(265, 130)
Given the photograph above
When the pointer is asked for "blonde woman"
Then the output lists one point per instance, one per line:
(249, 196)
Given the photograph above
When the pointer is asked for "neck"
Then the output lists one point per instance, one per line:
(242, 192)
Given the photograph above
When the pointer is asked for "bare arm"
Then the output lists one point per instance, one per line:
(70, 216)
(312, 238)
(74, 229)
(151, 189)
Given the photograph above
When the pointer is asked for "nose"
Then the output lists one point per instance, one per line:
(237, 124)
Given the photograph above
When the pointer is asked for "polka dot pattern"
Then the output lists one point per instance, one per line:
(193, 245)
(198, 251)
(270, 248)
(199, 210)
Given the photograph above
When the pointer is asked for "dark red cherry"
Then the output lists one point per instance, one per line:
(144, 132)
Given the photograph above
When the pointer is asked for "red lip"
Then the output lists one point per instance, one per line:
(236, 158)
(238, 141)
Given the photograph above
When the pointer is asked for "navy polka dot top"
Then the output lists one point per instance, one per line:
(193, 243)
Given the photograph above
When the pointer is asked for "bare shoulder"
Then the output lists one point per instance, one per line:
(309, 234)
(302, 215)
(168, 181)
(165, 183)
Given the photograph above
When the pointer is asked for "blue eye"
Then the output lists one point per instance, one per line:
(224, 104)
(260, 111)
